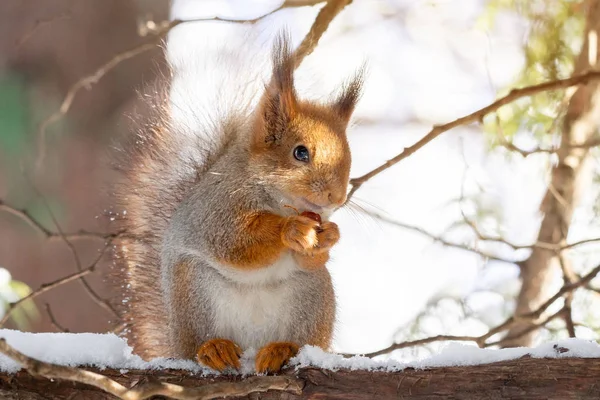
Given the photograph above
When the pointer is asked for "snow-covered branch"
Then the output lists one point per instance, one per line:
(534, 318)
(567, 369)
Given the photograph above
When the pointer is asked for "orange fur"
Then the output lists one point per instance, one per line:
(274, 356)
(219, 354)
(283, 121)
(311, 262)
(267, 235)
(260, 244)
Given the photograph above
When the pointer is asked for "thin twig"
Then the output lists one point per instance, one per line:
(568, 277)
(53, 320)
(420, 342)
(526, 153)
(556, 247)
(38, 24)
(43, 289)
(475, 116)
(67, 239)
(529, 329)
(88, 288)
(318, 28)
(438, 238)
(481, 341)
(24, 215)
(51, 285)
(253, 384)
(159, 32)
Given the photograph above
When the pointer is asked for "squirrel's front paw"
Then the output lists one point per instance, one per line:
(274, 355)
(219, 354)
(327, 236)
(300, 233)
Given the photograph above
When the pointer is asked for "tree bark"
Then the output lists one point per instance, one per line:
(525, 378)
(568, 177)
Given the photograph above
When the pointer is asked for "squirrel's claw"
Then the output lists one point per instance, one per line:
(274, 356)
(219, 354)
(299, 233)
(328, 235)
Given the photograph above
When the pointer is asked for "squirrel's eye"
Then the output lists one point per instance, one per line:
(301, 153)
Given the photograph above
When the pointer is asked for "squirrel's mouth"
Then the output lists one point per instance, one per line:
(310, 206)
(301, 204)
(324, 211)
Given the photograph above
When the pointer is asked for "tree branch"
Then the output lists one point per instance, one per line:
(48, 234)
(150, 389)
(438, 238)
(475, 116)
(318, 28)
(482, 341)
(53, 320)
(159, 32)
(51, 285)
(559, 377)
(38, 24)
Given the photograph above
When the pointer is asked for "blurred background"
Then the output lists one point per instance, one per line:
(487, 220)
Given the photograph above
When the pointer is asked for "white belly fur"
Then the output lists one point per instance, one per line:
(256, 309)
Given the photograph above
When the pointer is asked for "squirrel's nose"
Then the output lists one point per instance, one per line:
(337, 197)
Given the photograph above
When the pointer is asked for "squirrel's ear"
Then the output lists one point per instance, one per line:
(280, 103)
(346, 101)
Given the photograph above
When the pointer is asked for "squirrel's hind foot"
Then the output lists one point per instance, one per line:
(274, 356)
(219, 354)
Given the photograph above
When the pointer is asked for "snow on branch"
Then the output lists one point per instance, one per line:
(52, 366)
(146, 390)
(483, 340)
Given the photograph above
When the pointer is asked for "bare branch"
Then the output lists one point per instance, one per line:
(556, 247)
(43, 289)
(159, 32)
(438, 238)
(92, 293)
(569, 276)
(533, 326)
(39, 24)
(318, 28)
(53, 320)
(475, 116)
(25, 216)
(51, 285)
(143, 391)
(525, 153)
(48, 234)
(507, 324)
(420, 342)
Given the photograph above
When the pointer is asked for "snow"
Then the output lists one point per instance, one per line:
(110, 351)
(79, 349)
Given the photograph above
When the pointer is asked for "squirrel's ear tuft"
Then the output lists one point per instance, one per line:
(280, 103)
(345, 103)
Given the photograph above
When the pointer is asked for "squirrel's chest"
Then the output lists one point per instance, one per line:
(254, 314)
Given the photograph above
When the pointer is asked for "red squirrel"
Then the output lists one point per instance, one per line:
(226, 254)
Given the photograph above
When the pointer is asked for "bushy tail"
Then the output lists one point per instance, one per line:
(154, 181)
(209, 96)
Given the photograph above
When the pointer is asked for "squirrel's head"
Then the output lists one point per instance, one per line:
(300, 147)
